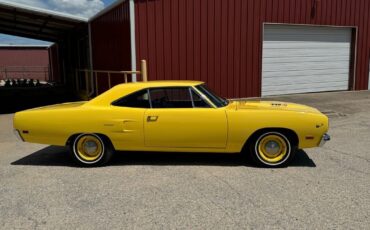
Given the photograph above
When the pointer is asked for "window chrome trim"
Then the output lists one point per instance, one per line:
(149, 98)
(190, 89)
(204, 97)
(191, 97)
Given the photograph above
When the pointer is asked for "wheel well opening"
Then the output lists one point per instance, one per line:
(290, 134)
(71, 138)
(104, 137)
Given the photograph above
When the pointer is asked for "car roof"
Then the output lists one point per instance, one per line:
(161, 83)
(124, 89)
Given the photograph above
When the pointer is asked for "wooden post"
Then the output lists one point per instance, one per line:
(77, 83)
(125, 75)
(96, 82)
(109, 84)
(144, 72)
(87, 82)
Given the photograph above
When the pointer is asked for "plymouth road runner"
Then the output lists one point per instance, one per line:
(174, 116)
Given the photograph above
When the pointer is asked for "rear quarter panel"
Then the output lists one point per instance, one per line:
(49, 126)
(54, 127)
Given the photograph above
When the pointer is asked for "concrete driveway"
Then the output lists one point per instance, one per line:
(324, 188)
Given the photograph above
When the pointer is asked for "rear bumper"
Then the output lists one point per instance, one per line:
(324, 139)
(18, 135)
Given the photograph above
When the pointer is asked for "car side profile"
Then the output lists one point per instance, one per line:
(174, 116)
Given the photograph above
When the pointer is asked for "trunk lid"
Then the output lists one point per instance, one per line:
(59, 106)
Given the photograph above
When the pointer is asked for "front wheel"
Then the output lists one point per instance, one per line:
(91, 150)
(272, 149)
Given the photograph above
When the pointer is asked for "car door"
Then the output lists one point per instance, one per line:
(127, 115)
(175, 120)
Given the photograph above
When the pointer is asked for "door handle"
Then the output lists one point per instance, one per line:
(151, 118)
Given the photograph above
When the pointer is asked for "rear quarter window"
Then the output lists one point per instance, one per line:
(138, 99)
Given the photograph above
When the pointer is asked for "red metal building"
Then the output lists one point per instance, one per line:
(240, 48)
(110, 36)
(24, 62)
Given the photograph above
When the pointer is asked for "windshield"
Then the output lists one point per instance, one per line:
(217, 100)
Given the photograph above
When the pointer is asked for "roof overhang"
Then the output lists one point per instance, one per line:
(106, 9)
(22, 46)
(36, 23)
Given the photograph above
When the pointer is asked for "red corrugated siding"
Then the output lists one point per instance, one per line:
(37, 59)
(220, 41)
(24, 57)
(111, 44)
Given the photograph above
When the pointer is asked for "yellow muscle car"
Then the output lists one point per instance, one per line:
(174, 116)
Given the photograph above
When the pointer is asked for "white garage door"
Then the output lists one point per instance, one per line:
(299, 59)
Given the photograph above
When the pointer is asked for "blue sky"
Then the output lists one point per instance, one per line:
(83, 8)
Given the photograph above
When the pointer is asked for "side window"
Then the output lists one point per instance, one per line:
(138, 99)
(171, 98)
(199, 102)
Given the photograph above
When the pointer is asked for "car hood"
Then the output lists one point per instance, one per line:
(275, 105)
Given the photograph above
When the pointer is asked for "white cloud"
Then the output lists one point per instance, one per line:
(83, 8)
(34, 3)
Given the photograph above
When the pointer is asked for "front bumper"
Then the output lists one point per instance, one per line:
(324, 139)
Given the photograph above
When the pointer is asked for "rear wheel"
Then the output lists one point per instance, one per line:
(272, 149)
(91, 150)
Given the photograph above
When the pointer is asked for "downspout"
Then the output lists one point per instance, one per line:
(93, 82)
(132, 38)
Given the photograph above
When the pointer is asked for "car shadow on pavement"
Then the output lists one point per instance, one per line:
(49, 156)
(59, 156)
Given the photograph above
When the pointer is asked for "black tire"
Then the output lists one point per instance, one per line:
(272, 149)
(80, 152)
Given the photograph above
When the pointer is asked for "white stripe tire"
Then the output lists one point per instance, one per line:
(271, 149)
(89, 149)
